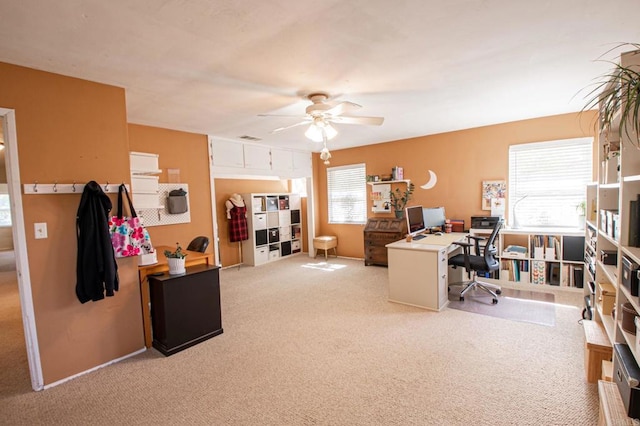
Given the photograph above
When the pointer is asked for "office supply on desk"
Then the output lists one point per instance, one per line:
(434, 217)
(419, 237)
(483, 260)
(415, 220)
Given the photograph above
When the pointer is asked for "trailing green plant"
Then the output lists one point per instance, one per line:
(176, 254)
(399, 199)
(617, 97)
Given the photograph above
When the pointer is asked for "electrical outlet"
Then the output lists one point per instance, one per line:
(40, 230)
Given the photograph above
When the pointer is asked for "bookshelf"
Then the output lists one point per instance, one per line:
(611, 234)
(274, 223)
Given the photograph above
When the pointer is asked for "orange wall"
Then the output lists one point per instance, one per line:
(71, 130)
(461, 160)
(187, 152)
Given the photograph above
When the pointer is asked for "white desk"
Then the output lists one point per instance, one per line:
(419, 273)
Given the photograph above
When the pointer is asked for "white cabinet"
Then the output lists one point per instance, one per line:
(230, 158)
(275, 228)
(257, 157)
(420, 276)
(227, 154)
(281, 160)
(144, 180)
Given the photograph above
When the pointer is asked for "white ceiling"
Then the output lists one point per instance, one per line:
(211, 66)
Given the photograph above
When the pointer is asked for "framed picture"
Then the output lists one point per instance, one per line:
(492, 189)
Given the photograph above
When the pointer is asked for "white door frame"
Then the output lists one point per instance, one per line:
(8, 118)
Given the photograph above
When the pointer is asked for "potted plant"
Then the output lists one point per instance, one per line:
(175, 259)
(399, 199)
(617, 97)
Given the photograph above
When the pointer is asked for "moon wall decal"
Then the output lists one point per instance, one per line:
(433, 179)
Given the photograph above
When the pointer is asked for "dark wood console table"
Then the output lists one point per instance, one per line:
(185, 309)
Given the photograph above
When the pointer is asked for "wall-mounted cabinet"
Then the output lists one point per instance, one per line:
(144, 180)
(275, 227)
(240, 158)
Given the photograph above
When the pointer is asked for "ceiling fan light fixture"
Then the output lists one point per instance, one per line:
(314, 132)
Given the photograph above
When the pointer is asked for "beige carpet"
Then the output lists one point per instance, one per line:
(307, 343)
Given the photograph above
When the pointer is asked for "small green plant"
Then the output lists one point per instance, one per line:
(399, 199)
(176, 254)
(581, 208)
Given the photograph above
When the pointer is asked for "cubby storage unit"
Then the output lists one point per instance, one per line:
(550, 257)
(612, 233)
(539, 256)
(274, 227)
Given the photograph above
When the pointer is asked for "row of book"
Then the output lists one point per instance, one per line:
(545, 246)
(542, 272)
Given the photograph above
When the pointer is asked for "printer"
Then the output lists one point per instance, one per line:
(484, 222)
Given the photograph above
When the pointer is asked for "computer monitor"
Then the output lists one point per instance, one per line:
(415, 219)
(433, 217)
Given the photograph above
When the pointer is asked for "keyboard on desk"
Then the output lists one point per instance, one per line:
(419, 237)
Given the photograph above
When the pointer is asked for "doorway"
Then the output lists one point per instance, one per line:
(14, 275)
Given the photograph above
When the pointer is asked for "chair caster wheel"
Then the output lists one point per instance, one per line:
(462, 298)
(495, 301)
(498, 291)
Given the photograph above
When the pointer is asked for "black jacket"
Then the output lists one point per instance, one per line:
(97, 270)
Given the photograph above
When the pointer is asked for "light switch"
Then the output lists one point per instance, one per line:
(40, 230)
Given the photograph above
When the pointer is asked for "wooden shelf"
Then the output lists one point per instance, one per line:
(383, 182)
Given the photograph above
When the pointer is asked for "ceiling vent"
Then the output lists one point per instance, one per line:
(250, 138)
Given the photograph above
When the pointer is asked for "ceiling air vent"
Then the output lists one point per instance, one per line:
(250, 138)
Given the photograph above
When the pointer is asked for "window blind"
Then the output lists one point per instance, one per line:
(347, 194)
(547, 182)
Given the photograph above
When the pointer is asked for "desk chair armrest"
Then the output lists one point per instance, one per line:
(466, 249)
(477, 240)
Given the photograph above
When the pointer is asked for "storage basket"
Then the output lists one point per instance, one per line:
(628, 316)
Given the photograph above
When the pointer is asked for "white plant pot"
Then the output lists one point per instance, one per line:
(176, 266)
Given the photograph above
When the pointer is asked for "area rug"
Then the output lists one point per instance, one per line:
(517, 305)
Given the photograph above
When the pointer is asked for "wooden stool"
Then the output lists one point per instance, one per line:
(325, 243)
(597, 349)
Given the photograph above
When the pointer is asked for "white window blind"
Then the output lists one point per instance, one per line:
(547, 181)
(347, 194)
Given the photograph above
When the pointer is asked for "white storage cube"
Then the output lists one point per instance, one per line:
(285, 218)
(274, 254)
(144, 184)
(285, 233)
(260, 221)
(295, 245)
(294, 202)
(143, 162)
(146, 201)
(261, 255)
(272, 220)
(258, 204)
(637, 321)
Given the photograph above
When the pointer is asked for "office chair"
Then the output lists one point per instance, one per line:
(199, 244)
(484, 260)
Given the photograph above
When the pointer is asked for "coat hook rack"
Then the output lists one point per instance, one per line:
(64, 188)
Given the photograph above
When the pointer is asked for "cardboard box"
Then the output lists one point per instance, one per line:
(607, 298)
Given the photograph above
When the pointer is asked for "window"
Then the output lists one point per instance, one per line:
(5, 205)
(347, 194)
(547, 182)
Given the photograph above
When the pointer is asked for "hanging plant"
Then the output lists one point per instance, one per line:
(617, 97)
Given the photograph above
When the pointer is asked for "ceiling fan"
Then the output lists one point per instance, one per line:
(321, 114)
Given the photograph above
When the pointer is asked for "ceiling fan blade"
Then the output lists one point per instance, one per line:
(283, 115)
(342, 107)
(302, 123)
(370, 121)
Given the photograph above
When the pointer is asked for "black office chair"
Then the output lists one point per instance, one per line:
(199, 244)
(484, 260)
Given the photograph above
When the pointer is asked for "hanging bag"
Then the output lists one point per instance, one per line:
(128, 236)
